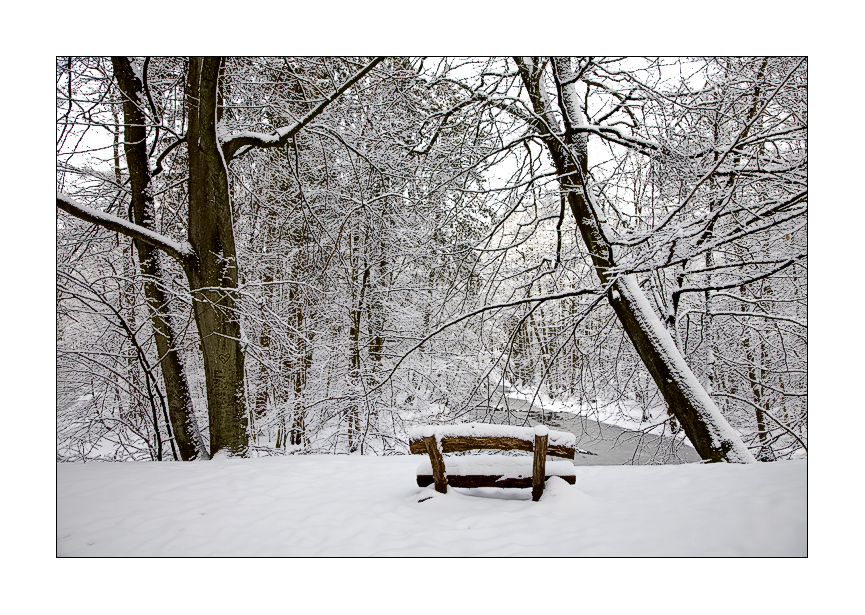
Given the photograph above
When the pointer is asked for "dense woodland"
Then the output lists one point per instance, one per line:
(261, 256)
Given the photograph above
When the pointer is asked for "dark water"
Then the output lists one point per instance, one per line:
(604, 444)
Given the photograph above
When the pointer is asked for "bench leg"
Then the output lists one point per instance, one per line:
(539, 467)
(438, 464)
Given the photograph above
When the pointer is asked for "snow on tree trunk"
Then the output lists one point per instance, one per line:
(706, 428)
(712, 437)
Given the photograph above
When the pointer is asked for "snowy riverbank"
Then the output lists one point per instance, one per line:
(368, 506)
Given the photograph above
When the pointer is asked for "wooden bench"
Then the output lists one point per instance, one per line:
(492, 470)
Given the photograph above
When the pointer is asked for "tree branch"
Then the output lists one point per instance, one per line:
(540, 299)
(180, 251)
(701, 289)
(231, 144)
(766, 412)
(759, 315)
(156, 171)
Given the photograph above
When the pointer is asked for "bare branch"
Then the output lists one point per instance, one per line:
(486, 308)
(738, 283)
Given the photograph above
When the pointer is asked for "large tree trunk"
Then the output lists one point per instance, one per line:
(180, 409)
(209, 258)
(213, 274)
(708, 431)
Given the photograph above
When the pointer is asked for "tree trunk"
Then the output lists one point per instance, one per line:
(298, 373)
(708, 431)
(355, 363)
(209, 258)
(213, 272)
(180, 409)
(264, 385)
(755, 379)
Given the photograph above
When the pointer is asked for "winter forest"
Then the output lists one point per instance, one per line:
(305, 255)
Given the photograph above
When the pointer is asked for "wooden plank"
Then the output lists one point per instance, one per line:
(438, 464)
(566, 452)
(472, 481)
(457, 444)
(539, 466)
(454, 444)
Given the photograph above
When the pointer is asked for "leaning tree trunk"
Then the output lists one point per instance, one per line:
(213, 273)
(708, 431)
(180, 409)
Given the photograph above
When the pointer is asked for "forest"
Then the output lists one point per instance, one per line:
(266, 256)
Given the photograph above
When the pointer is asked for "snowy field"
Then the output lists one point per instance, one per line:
(368, 506)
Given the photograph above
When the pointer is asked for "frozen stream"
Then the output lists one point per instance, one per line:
(608, 444)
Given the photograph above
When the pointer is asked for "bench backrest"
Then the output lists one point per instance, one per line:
(472, 436)
(435, 440)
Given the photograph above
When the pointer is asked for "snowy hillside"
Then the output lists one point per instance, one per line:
(368, 506)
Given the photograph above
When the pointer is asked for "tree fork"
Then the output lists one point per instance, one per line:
(180, 408)
(214, 277)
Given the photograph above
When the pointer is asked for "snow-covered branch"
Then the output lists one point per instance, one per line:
(231, 145)
(760, 315)
(180, 251)
(737, 283)
(767, 413)
(487, 308)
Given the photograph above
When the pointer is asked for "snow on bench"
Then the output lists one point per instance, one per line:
(492, 470)
(505, 437)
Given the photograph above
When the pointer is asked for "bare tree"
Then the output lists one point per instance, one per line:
(209, 256)
(181, 411)
(363, 249)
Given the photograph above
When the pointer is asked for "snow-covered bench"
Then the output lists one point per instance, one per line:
(492, 470)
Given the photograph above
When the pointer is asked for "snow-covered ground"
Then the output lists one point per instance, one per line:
(369, 506)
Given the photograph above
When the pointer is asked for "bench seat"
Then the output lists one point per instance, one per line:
(493, 471)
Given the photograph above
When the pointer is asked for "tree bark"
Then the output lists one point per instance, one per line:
(706, 428)
(180, 409)
(213, 273)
